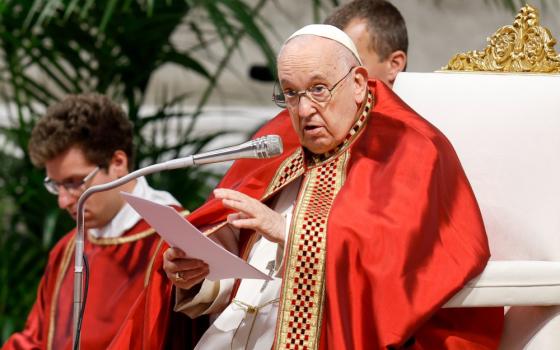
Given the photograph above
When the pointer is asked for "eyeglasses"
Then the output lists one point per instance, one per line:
(318, 93)
(72, 187)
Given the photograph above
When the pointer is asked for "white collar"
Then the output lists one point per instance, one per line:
(127, 217)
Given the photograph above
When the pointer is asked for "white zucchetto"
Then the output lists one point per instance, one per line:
(329, 32)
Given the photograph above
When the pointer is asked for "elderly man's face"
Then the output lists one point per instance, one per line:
(309, 61)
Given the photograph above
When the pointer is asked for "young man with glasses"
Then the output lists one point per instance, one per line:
(366, 223)
(82, 141)
(75, 188)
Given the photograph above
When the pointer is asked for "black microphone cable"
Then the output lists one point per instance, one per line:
(83, 306)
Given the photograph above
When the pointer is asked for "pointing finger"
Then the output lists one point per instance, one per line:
(225, 193)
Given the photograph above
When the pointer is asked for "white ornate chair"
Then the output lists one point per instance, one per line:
(500, 108)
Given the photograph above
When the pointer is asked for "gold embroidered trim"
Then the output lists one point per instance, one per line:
(317, 159)
(292, 168)
(66, 258)
(151, 264)
(126, 239)
(214, 228)
(301, 306)
(120, 240)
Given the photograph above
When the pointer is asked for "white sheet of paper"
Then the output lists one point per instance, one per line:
(180, 233)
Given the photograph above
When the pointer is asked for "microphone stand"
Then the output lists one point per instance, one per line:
(79, 249)
(263, 147)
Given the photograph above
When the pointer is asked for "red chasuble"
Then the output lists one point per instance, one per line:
(119, 273)
(385, 230)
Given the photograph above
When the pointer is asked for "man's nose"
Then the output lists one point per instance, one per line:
(65, 199)
(306, 107)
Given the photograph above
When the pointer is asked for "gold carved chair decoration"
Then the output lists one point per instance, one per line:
(524, 46)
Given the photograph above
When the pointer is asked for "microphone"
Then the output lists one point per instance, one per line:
(263, 147)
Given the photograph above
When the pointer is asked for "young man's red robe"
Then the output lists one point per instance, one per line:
(404, 235)
(118, 268)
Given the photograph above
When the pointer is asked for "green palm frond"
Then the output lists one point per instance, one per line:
(50, 48)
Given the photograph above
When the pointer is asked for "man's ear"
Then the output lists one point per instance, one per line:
(119, 164)
(396, 63)
(360, 84)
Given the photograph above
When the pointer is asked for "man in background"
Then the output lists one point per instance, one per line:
(379, 31)
(86, 140)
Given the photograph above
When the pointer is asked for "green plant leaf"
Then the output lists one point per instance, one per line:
(51, 48)
(186, 61)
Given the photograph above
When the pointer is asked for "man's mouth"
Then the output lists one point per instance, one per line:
(311, 128)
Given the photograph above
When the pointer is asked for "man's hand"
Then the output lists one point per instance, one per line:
(252, 214)
(182, 271)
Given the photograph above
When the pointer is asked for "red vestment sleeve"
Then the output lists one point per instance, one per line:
(461, 328)
(34, 335)
(152, 324)
(146, 325)
(152, 315)
(117, 297)
(405, 234)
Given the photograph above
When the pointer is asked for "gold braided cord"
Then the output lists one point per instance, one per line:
(66, 258)
(126, 239)
(249, 309)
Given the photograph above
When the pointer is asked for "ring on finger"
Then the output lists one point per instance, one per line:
(179, 276)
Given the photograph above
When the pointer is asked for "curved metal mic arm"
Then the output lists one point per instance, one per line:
(79, 252)
(263, 147)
